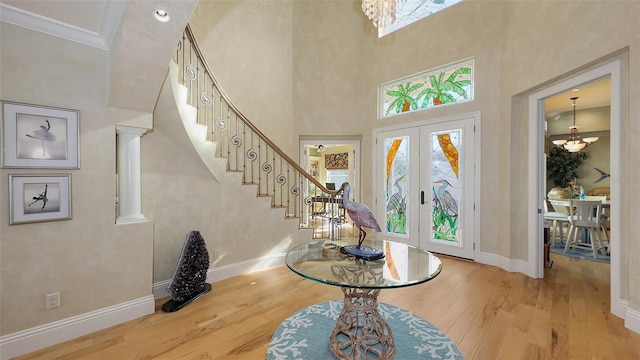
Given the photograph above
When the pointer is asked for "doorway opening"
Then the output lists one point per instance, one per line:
(537, 164)
(573, 171)
(331, 161)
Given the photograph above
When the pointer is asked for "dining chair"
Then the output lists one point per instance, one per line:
(604, 218)
(558, 221)
(585, 216)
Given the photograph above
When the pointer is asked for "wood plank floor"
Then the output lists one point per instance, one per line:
(488, 312)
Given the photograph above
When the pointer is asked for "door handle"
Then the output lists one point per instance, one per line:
(422, 197)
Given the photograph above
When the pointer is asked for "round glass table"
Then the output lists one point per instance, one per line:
(360, 331)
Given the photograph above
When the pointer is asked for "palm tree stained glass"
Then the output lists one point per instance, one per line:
(449, 84)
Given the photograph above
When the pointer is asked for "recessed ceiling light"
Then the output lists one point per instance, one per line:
(162, 15)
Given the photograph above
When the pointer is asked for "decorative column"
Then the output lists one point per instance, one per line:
(129, 174)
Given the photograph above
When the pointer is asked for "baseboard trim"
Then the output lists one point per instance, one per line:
(39, 337)
(511, 265)
(632, 320)
(227, 271)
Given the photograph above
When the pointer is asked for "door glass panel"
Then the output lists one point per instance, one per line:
(395, 186)
(446, 191)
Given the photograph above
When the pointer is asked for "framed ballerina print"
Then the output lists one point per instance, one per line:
(37, 198)
(36, 136)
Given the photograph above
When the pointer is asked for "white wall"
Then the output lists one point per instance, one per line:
(248, 44)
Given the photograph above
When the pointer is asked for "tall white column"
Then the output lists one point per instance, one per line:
(129, 174)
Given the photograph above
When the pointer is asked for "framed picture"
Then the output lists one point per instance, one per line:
(35, 198)
(40, 137)
(337, 161)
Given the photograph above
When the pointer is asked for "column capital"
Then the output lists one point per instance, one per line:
(123, 129)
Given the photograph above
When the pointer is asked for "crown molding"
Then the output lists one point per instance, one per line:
(111, 20)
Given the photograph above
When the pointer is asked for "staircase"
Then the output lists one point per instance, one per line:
(227, 141)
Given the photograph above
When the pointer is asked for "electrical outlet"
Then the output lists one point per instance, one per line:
(52, 301)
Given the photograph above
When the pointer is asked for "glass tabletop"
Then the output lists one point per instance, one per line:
(402, 265)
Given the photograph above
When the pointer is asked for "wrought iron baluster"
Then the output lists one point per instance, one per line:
(284, 194)
(282, 181)
(212, 108)
(273, 166)
(239, 143)
(190, 74)
(197, 92)
(229, 137)
(220, 144)
(251, 155)
(260, 169)
(244, 158)
(182, 67)
(266, 168)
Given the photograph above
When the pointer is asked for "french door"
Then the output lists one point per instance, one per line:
(425, 184)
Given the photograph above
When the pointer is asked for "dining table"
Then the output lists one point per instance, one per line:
(606, 204)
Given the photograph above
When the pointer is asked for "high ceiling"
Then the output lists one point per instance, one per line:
(100, 23)
(96, 22)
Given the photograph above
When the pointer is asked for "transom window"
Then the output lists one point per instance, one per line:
(410, 11)
(449, 84)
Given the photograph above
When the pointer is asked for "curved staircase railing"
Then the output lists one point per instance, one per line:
(245, 147)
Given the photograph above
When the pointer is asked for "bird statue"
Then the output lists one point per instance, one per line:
(362, 216)
(447, 201)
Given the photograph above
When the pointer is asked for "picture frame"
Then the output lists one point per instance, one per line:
(38, 198)
(337, 161)
(35, 136)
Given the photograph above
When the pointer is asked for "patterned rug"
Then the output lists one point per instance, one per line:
(583, 254)
(305, 335)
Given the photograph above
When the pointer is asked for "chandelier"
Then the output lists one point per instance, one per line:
(574, 143)
(381, 10)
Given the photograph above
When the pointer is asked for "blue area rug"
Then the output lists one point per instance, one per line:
(305, 335)
(583, 254)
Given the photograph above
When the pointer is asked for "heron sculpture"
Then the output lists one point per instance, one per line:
(362, 216)
(448, 203)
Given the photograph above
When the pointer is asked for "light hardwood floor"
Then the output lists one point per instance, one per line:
(488, 312)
